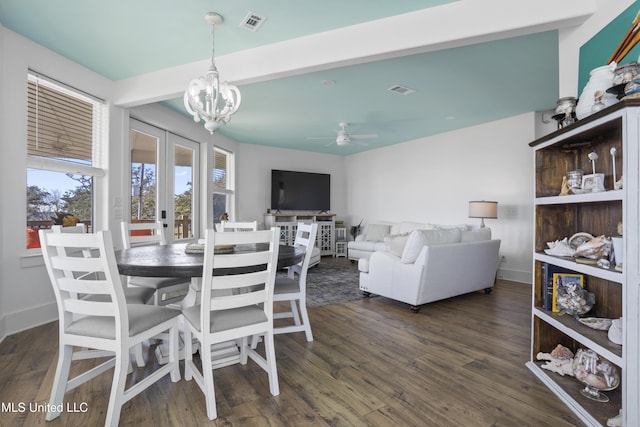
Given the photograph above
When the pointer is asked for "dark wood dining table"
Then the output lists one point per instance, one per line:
(172, 260)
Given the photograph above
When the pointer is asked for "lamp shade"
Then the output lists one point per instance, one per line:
(483, 209)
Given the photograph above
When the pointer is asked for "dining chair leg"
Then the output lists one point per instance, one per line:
(272, 370)
(117, 398)
(255, 339)
(188, 354)
(65, 353)
(207, 373)
(294, 312)
(244, 342)
(137, 350)
(173, 354)
(305, 321)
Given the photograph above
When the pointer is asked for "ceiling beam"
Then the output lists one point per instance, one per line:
(461, 23)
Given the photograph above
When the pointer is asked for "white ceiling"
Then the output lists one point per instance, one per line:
(469, 61)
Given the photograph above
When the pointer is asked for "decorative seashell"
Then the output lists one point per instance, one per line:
(561, 352)
(594, 249)
(579, 238)
(559, 248)
(615, 331)
(599, 323)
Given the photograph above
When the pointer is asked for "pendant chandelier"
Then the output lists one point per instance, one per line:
(208, 99)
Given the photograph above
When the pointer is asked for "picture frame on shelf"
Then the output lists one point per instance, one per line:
(564, 280)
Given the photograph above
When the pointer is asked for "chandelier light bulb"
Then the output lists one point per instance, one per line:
(207, 98)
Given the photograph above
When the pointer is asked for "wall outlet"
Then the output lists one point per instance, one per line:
(503, 259)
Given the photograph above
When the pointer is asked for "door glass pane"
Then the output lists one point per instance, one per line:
(183, 189)
(144, 154)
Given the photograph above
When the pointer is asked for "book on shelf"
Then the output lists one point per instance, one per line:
(563, 280)
(548, 270)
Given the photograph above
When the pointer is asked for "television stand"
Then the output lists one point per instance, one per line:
(288, 223)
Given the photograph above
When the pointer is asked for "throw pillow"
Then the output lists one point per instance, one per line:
(461, 227)
(420, 238)
(395, 243)
(376, 232)
(476, 235)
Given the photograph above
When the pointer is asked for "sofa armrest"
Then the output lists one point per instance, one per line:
(459, 268)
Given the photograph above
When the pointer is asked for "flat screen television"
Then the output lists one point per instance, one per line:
(300, 191)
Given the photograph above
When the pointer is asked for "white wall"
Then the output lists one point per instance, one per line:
(254, 177)
(433, 179)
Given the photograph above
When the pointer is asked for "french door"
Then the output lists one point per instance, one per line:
(164, 177)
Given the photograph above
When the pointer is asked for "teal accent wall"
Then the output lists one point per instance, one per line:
(597, 51)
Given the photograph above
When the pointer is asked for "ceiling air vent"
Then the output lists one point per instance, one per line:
(402, 90)
(252, 22)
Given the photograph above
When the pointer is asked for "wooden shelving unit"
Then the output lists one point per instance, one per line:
(616, 292)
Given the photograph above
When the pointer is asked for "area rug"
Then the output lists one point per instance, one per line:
(333, 281)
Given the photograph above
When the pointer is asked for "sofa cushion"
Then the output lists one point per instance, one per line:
(376, 232)
(362, 245)
(461, 227)
(420, 238)
(408, 227)
(395, 243)
(475, 235)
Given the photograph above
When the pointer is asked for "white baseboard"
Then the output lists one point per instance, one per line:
(29, 318)
(515, 275)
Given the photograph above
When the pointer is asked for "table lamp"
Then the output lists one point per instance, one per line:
(483, 209)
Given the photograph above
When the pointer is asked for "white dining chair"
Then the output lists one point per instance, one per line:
(294, 289)
(244, 310)
(237, 226)
(108, 324)
(167, 290)
(132, 295)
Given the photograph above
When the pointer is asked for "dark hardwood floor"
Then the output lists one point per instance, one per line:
(458, 362)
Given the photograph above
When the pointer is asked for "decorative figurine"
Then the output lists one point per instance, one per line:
(613, 160)
(593, 157)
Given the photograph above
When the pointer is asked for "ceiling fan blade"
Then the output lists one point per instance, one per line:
(364, 136)
(330, 144)
(363, 144)
(321, 137)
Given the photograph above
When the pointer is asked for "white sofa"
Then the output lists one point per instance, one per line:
(371, 238)
(431, 265)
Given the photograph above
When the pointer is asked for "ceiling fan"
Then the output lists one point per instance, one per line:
(343, 138)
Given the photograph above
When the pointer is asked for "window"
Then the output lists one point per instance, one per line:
(222, 183)
(63, 162)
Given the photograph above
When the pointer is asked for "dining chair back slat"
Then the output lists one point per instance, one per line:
(142, 233)
(237, 226)
(69, 272)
